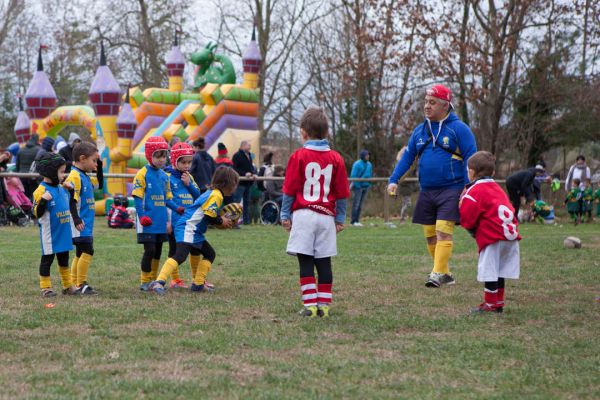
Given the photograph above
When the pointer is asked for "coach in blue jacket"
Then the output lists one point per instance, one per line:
(442, 144)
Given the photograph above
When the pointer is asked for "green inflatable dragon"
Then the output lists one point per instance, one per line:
(207, 71)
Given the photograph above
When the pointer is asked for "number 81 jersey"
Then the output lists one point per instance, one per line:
(316, 177)
(485, 208)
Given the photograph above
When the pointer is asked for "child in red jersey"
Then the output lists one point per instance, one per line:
(118, 217)
(314, 209)
(486, 212)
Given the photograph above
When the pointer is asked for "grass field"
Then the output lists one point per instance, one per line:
(388, 337)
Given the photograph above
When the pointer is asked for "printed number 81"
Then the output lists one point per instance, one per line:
(312, 184)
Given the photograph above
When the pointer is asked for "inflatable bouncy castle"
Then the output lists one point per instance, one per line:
(216, 108)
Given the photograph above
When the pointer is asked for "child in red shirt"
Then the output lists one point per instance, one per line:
(315, 190)
(486, 212)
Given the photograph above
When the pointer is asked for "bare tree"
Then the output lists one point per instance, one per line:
(281, 26)
(140, 36)
(9, 11)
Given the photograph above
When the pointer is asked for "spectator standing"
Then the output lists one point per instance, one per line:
(203, 165)
(67, 151)
(223, 158)
(580, 171)
(242, 163)
(361, 168)
(26, 157)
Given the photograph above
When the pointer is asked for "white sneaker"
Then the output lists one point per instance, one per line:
(357, 224)
(433, 280)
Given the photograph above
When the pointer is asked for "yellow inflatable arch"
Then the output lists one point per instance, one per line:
(70, 116)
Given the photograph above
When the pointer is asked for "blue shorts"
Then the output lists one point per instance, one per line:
(434, 205)
(152, 238)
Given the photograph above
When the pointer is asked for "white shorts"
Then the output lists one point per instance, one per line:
(499, 260)
(312, 234)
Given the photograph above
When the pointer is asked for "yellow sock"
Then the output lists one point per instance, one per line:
(65, 276)
(175, 274)
(194, 261)
(429, 232)
(82, 268)
(167, 269)
(74, 269)
(201, 272)
(145, 277)
(154, 265)
(443, 251)
(45, 282)
(431, 250)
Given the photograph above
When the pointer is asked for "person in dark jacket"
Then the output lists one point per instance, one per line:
(26, 157)
(203, 165)
(520, 184)
(47, 145)
(67, 151)
(242, 163)
(5, 157)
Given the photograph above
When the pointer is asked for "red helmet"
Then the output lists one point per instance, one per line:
(178, 150)
(155, 143)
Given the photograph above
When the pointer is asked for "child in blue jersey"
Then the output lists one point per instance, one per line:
(83, 210)
(191, 228)
(185, 191)
(152, 195)
(51, 208)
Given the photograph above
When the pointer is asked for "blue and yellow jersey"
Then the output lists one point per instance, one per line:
(83, 192)
(152, 191)
(192, 225)
(55, 223)
(183, 196)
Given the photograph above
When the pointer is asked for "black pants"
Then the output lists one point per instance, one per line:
(84, 247)
(151, 251)
(46, 262)
(184, 249)
(514, 195)
(323, 266)
(172, 244)
(494, 285)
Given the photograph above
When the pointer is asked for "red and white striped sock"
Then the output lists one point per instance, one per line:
(490, 298)
(500, 301)
(309, 291)
(324, 294)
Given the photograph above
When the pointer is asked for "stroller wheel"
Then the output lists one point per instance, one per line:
(3, 216)
(23, 221)
(269, 213)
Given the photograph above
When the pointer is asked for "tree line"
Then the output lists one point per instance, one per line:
(524, 73)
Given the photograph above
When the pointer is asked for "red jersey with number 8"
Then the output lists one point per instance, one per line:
(485, 208)
(316, 177)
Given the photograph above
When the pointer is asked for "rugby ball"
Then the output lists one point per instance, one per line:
(572, 242)
(232, 211)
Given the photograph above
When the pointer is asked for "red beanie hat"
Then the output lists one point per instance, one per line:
(222, 150)
(153, 144)
(179, 150)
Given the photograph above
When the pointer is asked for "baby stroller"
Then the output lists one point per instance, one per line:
(20, 208)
